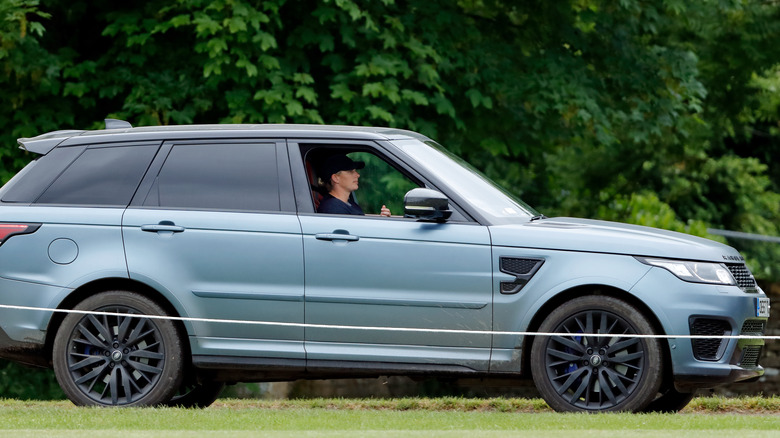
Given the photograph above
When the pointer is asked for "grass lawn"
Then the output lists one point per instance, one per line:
(442, 417)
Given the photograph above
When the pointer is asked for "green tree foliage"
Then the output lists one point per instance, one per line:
(660, 112)
(24, 383)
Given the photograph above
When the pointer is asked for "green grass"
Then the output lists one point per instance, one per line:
(440, 417)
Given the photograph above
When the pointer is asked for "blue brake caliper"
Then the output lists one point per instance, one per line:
(573, 366)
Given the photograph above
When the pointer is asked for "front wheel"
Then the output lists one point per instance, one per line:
(118, 359)
(576, 372)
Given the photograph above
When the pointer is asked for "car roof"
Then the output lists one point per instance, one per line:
(44, 143)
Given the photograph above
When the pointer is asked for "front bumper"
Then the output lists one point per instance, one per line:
(692, 383)
(680, 305)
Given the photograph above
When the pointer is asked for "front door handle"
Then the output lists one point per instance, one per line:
(336, 236)
(162, 226)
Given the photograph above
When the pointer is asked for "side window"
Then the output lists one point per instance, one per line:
(101, 176)
(27, 185)
(380, 184)
(218, 177)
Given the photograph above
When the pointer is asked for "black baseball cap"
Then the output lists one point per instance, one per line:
(337, 163)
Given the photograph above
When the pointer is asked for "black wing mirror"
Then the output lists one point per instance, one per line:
(426, 205)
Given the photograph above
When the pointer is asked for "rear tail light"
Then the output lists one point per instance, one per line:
(8, 230)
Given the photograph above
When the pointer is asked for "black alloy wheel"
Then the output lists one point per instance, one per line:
(118, 360)
(577, 372)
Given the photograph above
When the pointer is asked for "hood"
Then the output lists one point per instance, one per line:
(570, 234)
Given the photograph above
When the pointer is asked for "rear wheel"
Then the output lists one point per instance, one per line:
(577, 372)
(118, 360)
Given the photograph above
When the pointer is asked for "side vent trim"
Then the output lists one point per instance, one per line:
(522, 268)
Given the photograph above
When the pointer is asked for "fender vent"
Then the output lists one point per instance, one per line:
(523, 270)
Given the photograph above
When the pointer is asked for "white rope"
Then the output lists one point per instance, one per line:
(395, 329)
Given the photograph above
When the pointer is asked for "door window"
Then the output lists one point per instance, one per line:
(218, 177)
(379, 184)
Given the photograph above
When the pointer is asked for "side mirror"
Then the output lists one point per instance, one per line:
(426, 205)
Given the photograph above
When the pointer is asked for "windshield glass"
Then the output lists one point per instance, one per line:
(469, 183)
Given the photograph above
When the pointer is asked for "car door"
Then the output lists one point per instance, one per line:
(393, 290)
(213, 227)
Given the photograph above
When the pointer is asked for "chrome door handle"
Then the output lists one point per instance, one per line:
(336, 236)
(155, 228)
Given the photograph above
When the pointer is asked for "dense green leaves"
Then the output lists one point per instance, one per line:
(17, 381)
(661, 112)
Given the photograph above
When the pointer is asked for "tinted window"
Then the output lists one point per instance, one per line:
(101, 176)
(218, 177)
(28, 184)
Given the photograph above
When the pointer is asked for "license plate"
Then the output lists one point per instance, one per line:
(762, 307)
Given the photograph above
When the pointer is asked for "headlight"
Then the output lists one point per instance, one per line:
(695, 272)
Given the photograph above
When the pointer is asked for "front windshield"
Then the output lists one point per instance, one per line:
(469, 183)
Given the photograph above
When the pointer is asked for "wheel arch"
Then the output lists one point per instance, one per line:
(588, 290)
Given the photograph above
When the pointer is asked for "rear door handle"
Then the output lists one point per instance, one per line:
(336, 236)
(162, 226)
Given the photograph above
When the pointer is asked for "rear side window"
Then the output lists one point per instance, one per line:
(218, 177)
(30, 182)
(105, 176)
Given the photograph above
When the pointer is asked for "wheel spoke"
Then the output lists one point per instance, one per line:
(603, 326)
(113, 386)
(127, 385)
(589, 329)
(102, 327)
(581, 328)
(571, 380)
(625, 358)
(87, 362)
(570, 343)
(612, 327)
(138, 333)
(622, 345)
(606, 389)
(567, 357)
(124, 325)
(90, 338)
(584, 385)
(146, 354)
(617, 379)
(143, 368)
(94, 374)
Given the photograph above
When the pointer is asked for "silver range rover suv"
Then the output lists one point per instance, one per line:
(153, 265)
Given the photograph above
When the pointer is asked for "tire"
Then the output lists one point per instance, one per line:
(102, 360)
(576, 373)
(196, 394)
(669, 402)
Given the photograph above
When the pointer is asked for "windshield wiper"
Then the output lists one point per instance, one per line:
(541, 216)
